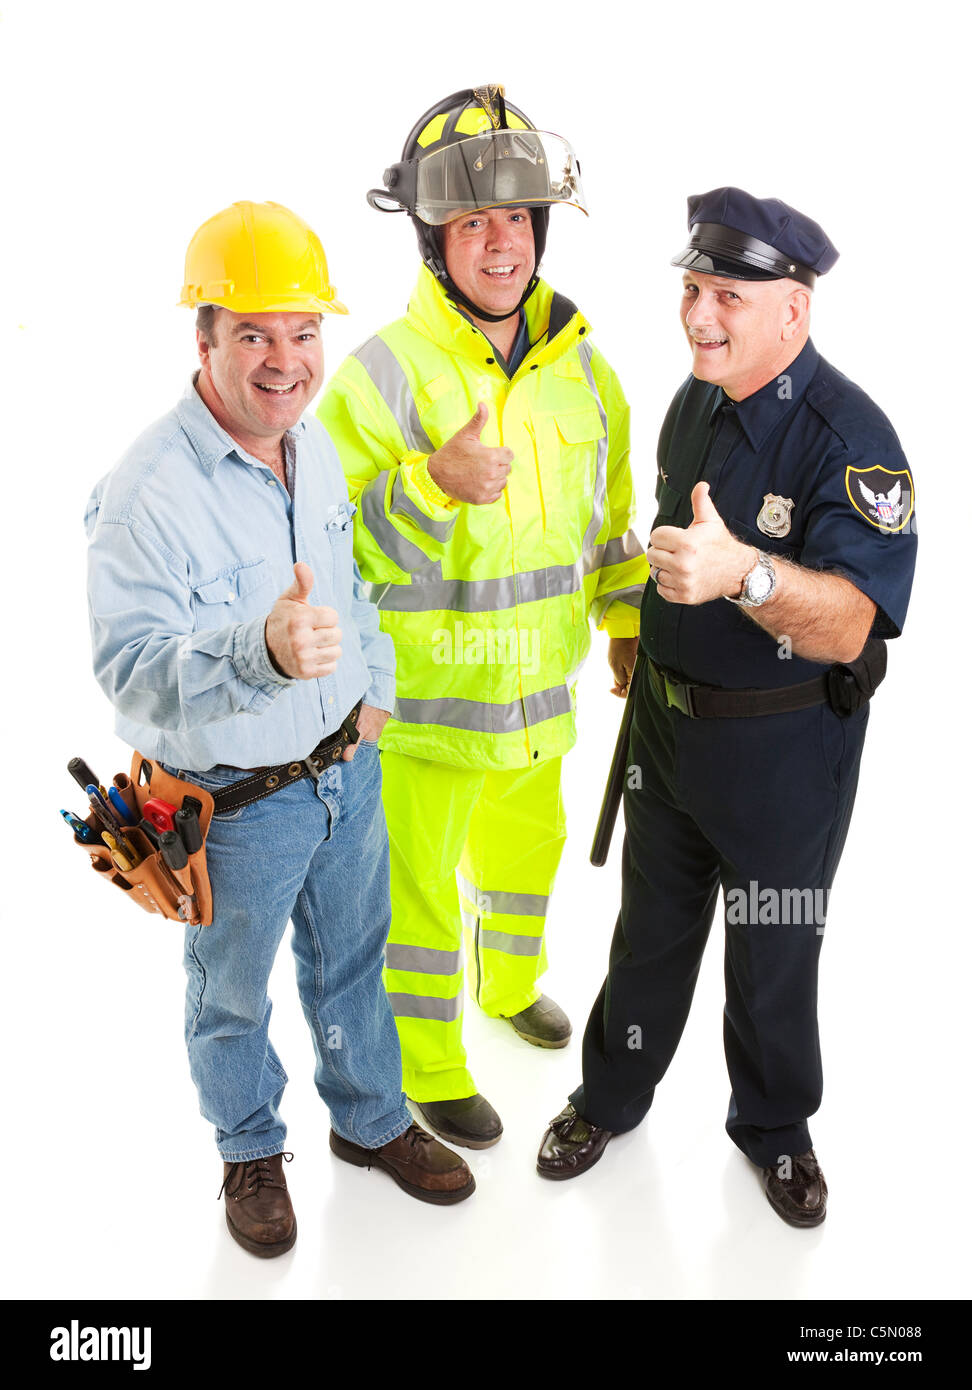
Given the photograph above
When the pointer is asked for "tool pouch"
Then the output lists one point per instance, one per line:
(850, 686)
(151, 884)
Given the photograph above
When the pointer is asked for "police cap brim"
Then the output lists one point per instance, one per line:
(717, 250)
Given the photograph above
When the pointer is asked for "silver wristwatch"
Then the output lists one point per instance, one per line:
(758, 585)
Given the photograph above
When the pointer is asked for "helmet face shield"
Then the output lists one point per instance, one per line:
(497, 168)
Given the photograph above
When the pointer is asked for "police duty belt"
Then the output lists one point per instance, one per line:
(845, 687)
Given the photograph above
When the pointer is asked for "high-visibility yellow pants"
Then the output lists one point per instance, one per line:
(504, 832)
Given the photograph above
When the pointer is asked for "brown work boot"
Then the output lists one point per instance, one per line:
(420, 1165)
(258, 1210)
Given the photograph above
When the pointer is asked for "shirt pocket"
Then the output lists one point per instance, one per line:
(669, 500)
(787, 549)
(339, 531)
(235, 593)
(340, 517)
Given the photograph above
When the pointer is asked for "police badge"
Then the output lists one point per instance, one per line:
(774, 515)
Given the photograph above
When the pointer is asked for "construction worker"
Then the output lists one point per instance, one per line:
(485, 442)
(273, 705)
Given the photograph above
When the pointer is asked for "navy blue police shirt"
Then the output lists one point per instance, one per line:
(811, 459)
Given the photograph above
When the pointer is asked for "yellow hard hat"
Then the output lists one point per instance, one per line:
(258, 258)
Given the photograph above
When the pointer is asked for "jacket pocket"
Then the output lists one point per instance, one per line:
(568, 442)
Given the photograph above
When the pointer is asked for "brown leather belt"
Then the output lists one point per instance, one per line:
(267, 780)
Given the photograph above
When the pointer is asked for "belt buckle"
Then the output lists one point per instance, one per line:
(680, 697)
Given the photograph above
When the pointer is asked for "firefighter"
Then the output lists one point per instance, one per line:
(485, 443)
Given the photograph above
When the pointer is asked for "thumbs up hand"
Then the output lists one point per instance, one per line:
(302, 639)
(702, 562)
(467, 469)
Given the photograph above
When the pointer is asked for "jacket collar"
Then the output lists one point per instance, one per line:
(209, 440)
(434, 314)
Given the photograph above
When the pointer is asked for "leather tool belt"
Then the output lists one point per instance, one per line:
(182, 895)
(267, 780)
(844, 687)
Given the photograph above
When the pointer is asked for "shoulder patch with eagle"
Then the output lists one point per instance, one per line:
(885, 498)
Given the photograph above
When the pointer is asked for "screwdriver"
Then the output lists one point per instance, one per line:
(177, 862)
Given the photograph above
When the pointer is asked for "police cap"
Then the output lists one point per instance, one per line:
(747, 238)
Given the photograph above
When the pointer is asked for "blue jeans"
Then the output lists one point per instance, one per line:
(316, 853)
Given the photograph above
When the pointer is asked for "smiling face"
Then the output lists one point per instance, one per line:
(743, 333)
(260, 372)
(490, 256)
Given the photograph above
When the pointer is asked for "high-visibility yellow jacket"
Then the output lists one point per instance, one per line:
(488, 606)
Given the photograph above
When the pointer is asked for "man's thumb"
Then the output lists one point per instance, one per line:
(703, 507)
(302, 585)
(475, 426)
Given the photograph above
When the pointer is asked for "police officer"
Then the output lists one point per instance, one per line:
(782, 555)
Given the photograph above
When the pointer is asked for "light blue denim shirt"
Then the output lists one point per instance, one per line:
(191, 541)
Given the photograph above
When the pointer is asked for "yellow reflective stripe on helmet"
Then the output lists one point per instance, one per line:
(432, 131)
(421, 960)
(391, 383)
(493, 900)
(474, 120)
(425, 1006)
(482, 716)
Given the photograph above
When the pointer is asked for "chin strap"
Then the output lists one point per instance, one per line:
(453, 291)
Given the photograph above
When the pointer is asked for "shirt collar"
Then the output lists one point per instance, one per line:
(760, 413)
(210, 441)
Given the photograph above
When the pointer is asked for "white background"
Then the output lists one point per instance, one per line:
(125, 127)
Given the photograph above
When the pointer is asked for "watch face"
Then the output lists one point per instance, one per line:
(760, 583)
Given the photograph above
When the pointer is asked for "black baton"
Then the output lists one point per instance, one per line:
(615, 782)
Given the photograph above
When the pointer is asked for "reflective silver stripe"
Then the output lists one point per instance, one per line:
(405, 553)
(585, 352)
(385, 371)
(423, 960)
(512, 945)
(491, 901)
(626, 547)
(403, 504)
(633, 595)
(483, 595)
(425, 1006)
(483, 718)
(469, 919)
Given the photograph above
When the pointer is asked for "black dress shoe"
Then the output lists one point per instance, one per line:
(571, 1145)
(800, 1199)
(470, 1122)
(543, 1023)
